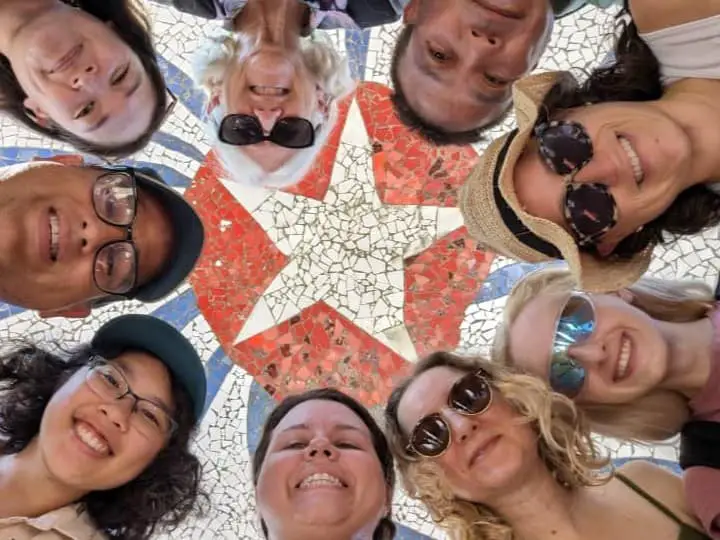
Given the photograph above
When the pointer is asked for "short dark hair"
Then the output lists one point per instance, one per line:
(428, 131)
(133, 27)
(386, 528)
(635, 76)
(161, 497)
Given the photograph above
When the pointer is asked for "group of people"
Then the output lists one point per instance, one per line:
(95, 440)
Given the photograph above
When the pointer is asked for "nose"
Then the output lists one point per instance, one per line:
(589, 353)
(319, 449)
(484, 36)
(95, 233)
(85, 76)
(119, 412)
(268, 116)
(462, 426)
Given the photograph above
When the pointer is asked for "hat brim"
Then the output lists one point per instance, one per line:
(161, 340)
(188, 238)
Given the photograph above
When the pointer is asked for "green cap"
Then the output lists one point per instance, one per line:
(161, 340)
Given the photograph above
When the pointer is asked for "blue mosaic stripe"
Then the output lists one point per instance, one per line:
(176, 144)
(183, 87)
(8, 310)
(180, 311)
(672, 466)
(217, 369)
(500, 282)
(16, 154)
(357, 43)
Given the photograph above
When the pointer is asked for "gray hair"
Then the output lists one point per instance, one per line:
(333, 78)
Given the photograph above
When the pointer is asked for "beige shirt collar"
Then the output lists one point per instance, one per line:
(66, 522)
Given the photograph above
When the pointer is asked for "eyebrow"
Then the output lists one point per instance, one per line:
(126, 370)
(339, 427)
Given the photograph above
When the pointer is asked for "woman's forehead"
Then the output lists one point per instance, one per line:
(321, 415)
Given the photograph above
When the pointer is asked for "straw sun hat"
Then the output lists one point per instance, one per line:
(497, 220)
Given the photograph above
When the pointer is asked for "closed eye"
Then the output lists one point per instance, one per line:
(295, 446)
(346, 445)
(120, 75)
(87, 109)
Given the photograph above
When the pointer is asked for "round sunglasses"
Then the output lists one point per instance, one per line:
(575, 324)
(245, 129)
(589, 208)
(470, 395)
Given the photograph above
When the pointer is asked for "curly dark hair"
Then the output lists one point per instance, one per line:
(132, 26)
(386, 528)
(412, 120)
(164, 494)
(635, 76)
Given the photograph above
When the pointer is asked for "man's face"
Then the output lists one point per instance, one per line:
(464, 55)
(32, 275)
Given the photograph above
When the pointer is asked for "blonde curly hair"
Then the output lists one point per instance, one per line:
(656, 416)
(332, 76)
(564, 443)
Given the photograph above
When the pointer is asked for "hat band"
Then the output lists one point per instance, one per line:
(508, 215)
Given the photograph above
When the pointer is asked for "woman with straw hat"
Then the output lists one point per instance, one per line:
(598, 172)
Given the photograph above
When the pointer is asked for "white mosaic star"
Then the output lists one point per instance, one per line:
(347, 250)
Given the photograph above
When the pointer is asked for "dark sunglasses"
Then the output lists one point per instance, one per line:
(470, 395)
(575, 324)
(245, 129)
(590, 210)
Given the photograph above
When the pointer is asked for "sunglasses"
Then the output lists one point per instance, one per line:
(245, 129)
(575, 324)
(470, 395)
(589, 208)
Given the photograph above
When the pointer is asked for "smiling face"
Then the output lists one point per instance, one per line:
(489, 454)
(89, 443)
(271, 83)
(639, 153)
(625, 357)
(463, 56)
(321, 476)
(79, 75)
(51, 234)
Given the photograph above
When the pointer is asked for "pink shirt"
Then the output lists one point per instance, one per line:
(702, 484)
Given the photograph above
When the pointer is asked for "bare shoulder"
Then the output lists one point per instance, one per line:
(662, 485)
(652, 15)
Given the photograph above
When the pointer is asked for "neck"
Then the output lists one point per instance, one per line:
(539, 508)
(27, 489)
(693, 105)
(689, 355)
(274, 22)
(14, 14)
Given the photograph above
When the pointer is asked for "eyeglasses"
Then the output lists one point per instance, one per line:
(470, 395)
(590, 210)
(114, 197)
(245, 129)
(108, 382)
(575, 324)
(171, 102)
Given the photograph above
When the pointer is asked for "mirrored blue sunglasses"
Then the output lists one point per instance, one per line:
(575, 324)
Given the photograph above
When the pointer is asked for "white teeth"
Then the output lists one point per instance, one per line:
(320, 479)
(54, 236)
(622, 365)
(91, 439)
(634, 159)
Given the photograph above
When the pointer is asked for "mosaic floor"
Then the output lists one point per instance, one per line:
(345, 278)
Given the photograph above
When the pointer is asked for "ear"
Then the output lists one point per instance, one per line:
(323, 102)
(36, 113)
(78, 311)
(213, 100)
(625, 295)
(606, 247)
(410, 13)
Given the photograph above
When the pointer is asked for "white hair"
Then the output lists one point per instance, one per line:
(333, 78)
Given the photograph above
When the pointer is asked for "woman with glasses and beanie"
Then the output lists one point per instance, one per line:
(83, 72)
(94, 443)
(323, 470)
(642, 363)
(599, 171)
(495, 454)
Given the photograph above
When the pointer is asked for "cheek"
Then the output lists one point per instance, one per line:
(137, 454)
(272, 481)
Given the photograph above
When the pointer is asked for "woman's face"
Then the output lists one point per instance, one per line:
(624, 358)
(639, 153)
(489, 454)
(89, 443)
(271, 83)
(321, 475)
(79, 75)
